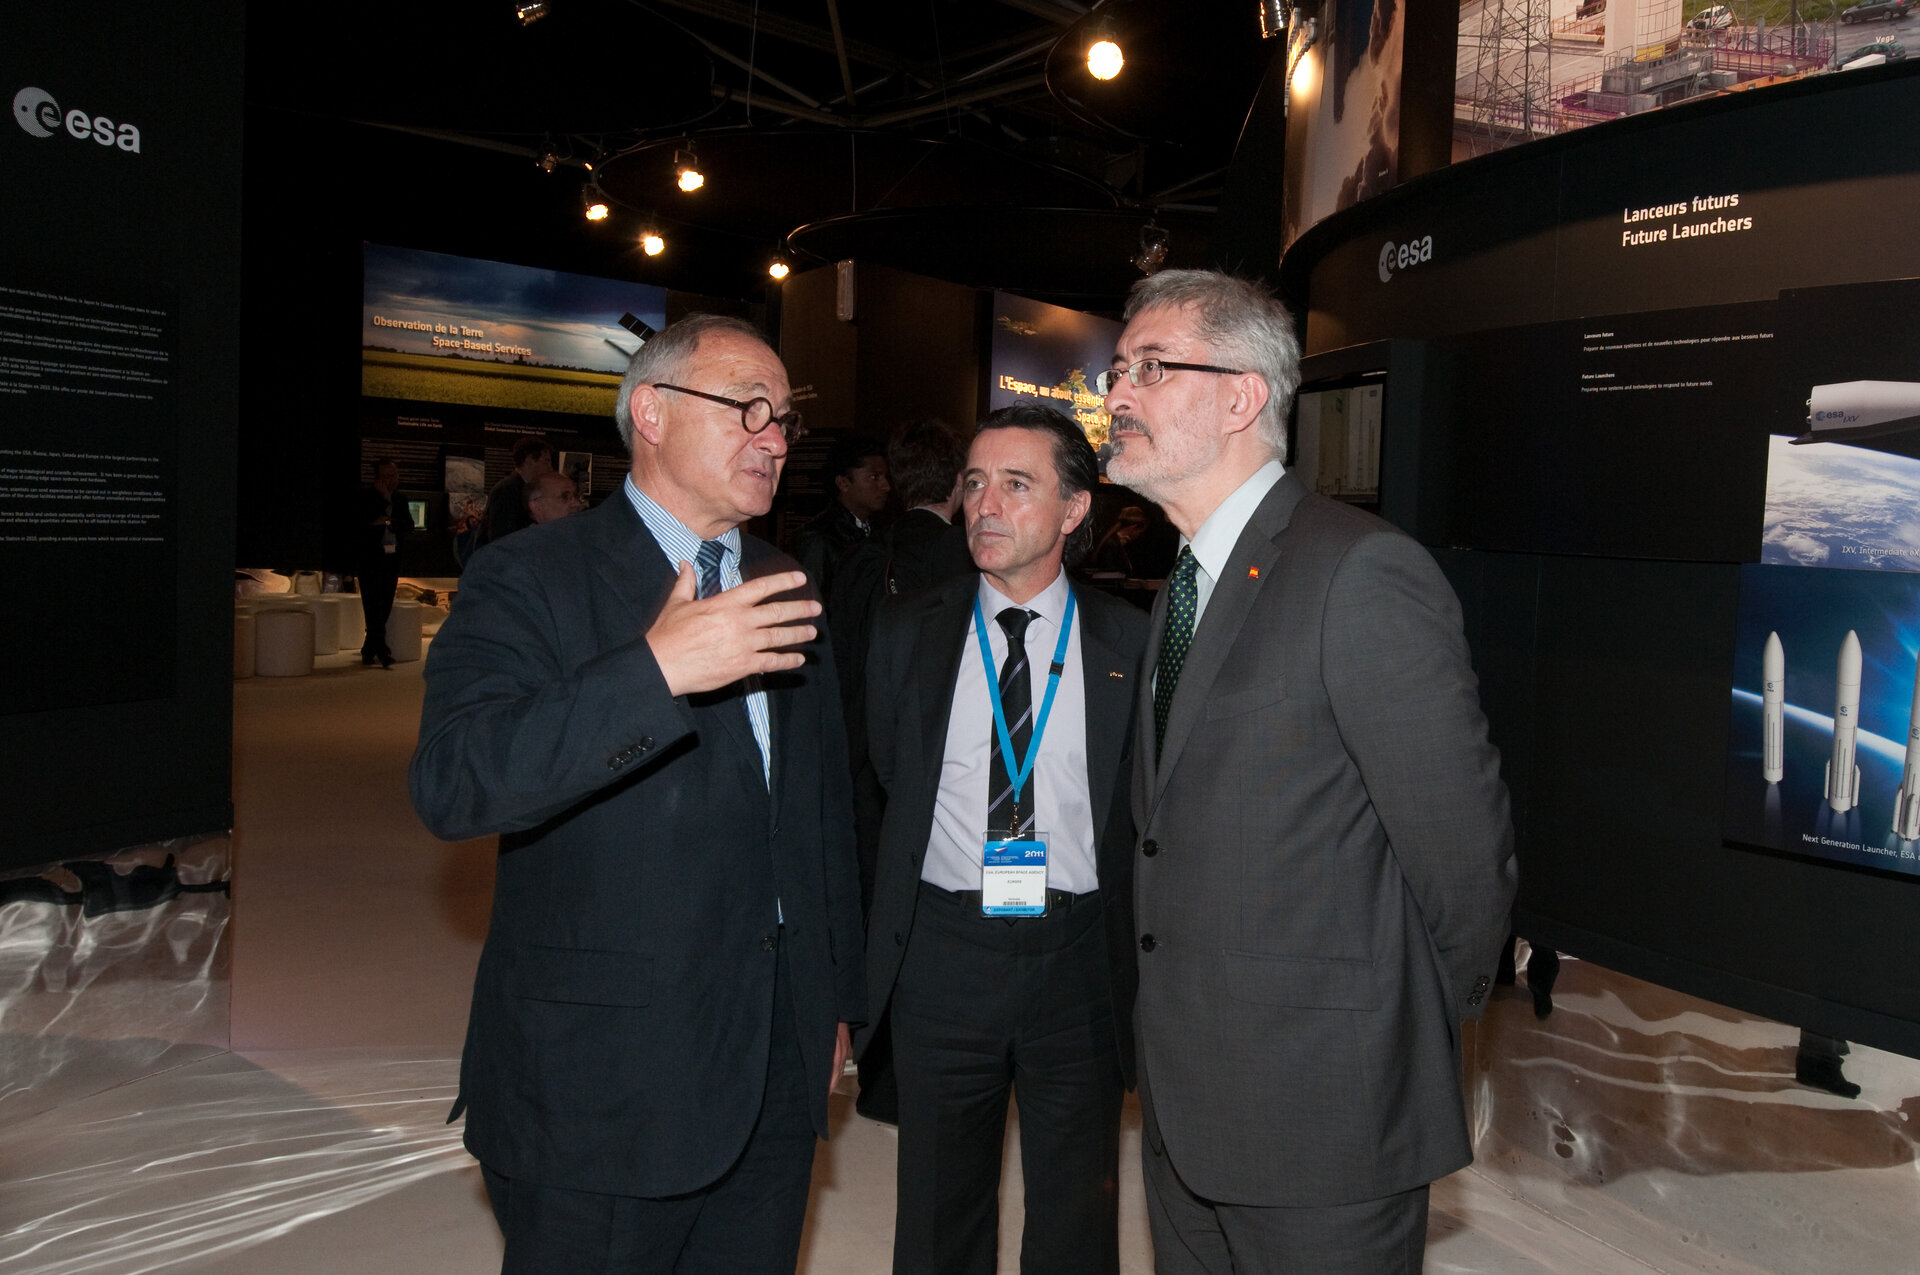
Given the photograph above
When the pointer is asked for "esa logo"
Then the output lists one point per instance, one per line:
(1845, 418)
(35, 111)
(1398, 256)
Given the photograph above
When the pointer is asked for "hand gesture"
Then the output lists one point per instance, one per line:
(705, 644)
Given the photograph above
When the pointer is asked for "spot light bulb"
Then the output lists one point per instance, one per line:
(1104, 60)
(597, 211)
(652, 244)
(778, 269)
(691, 179)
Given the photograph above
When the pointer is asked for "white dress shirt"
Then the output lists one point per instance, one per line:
(1063, 811)
(1213, 543)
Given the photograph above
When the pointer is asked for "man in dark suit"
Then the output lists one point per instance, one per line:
(380, 528)
(1326, 859)
(636, 700)
(507, 503)
(984, 999)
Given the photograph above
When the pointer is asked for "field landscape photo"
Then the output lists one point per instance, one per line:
(444, 329)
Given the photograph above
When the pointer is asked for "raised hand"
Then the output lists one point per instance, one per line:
(705, 644)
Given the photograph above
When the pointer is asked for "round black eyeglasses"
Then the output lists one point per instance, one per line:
(755, 413)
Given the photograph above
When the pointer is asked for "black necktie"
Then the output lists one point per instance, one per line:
(707, 564)
(1016, 700)
(1183, 598)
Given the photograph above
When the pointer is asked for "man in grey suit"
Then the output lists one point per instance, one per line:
(1325, 859)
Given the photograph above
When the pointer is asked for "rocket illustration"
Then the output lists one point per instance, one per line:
(1843, 775)
(1906, 802)
(1773, 710)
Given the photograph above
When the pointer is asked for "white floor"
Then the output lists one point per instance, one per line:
(1634, 1130)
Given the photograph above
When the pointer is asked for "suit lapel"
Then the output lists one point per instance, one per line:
(1249, 569)
(941, 641)
(1108, 703)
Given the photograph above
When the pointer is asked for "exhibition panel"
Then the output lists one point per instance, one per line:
(1676, 401)
(119, 335)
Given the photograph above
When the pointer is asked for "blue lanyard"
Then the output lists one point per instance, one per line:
(999, 708)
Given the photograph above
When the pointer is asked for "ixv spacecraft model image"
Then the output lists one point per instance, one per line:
(1773, 710)
(1849, 411)
(1843, 771)
(1906, 801)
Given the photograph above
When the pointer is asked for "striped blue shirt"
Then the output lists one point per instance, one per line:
(681, 545)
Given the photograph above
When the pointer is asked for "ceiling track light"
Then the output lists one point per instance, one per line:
(546, 159)
(651, 241)
(1154, 242)
(593, 201)
(1274, 17)
(686, 169)
(1104, 59)
(779, 269)
(531, 11)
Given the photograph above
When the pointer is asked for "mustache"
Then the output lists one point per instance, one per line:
(1132, 424)
(996, 525)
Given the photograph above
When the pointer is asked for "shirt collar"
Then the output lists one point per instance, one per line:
(675, 539)
(1213, 544)
(1050, 603)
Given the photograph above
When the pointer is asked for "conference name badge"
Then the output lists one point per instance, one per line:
(1013, 875)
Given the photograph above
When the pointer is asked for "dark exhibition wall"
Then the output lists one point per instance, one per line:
(1657, 391)
(119, 303)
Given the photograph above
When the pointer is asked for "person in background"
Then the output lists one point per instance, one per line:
(1326, 858)
(507, 502)
(382, 524)
(552, 496)
(857, 474)
(636, 700)
(1115, 550)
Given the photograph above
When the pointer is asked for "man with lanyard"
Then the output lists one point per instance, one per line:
(1001, 934)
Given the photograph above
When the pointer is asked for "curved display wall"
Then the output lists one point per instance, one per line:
(1652, 395)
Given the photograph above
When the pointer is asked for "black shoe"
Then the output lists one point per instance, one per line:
(367, 658)
(386, 661)
(1542, 1000)
(1824, 1073)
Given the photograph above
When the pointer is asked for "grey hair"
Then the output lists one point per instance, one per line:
(665, 358)
(1243, 325)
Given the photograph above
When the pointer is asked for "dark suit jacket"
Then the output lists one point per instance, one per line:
(621, 1014)
(918, 643)
(1326, 866)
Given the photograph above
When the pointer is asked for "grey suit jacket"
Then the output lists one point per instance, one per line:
(918, 642)
(1326, 865)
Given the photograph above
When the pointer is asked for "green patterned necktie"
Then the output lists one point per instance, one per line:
(1183, 599)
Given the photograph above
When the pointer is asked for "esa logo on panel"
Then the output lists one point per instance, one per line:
(1398, 256)
(35, 111)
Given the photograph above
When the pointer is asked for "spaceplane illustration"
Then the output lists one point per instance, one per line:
(1849, 411)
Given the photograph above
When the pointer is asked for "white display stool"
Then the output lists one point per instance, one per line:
(243, 653)
(403, 631)
(352, 616)
(283, 641)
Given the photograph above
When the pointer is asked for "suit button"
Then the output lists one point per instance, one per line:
(899, 939)
(766, 944)
(646, 742)
(1146, 943)
(613, 762)
(1149, 848)
(1476, 998)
